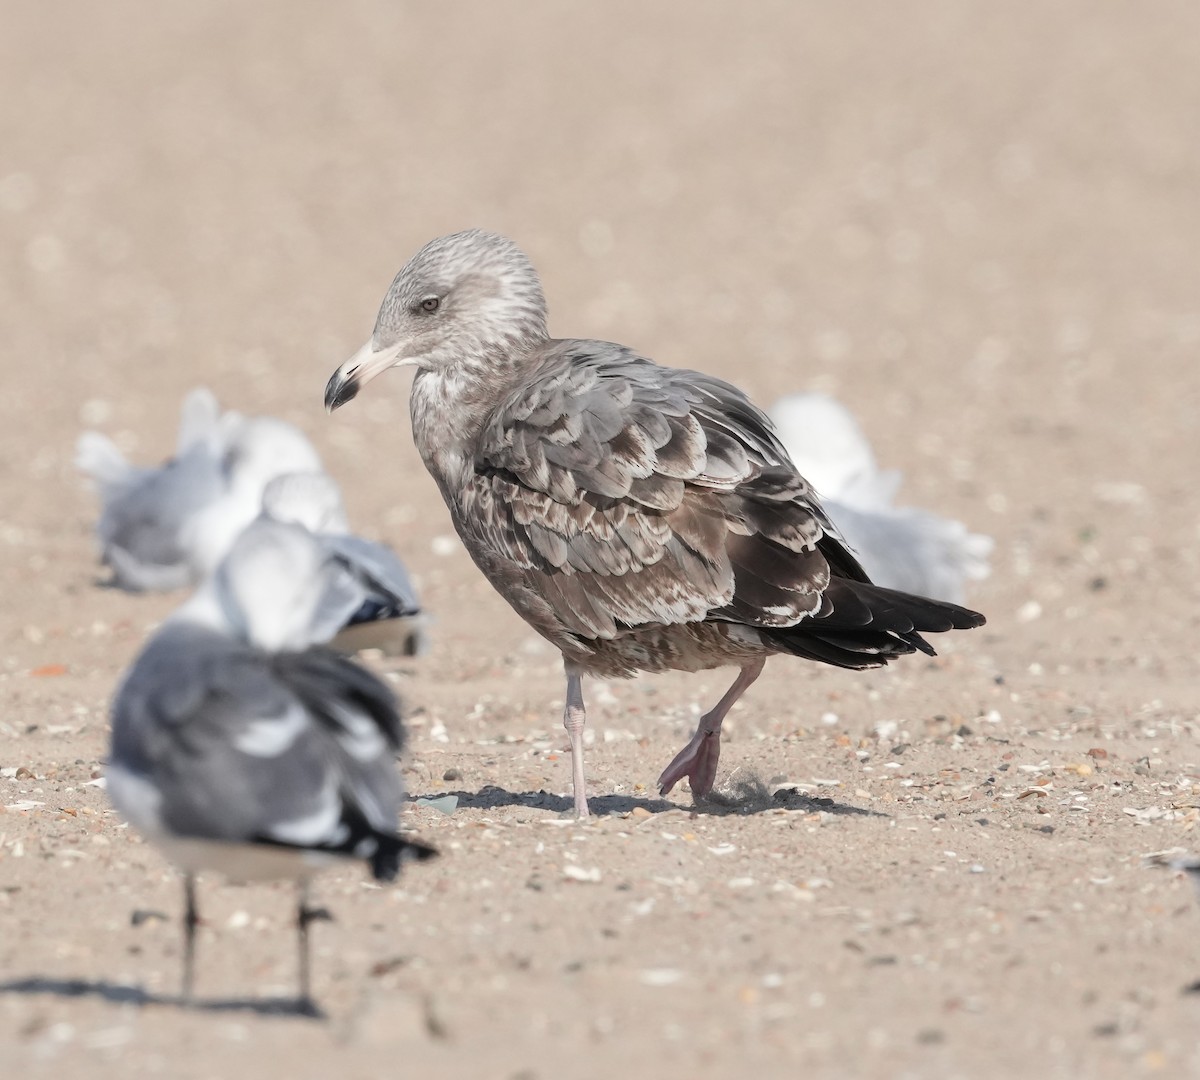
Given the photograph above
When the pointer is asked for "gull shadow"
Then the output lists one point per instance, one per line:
(117, 994)
(754, 800)
(491, 797)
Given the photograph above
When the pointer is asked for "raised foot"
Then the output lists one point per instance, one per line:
(697, 761)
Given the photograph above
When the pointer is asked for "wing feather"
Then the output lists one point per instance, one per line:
(626, 494)
(242, 746)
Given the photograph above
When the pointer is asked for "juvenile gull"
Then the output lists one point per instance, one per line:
(899, 547)
(389, 617)
(240, 745)
(166, 527)
(639, 517)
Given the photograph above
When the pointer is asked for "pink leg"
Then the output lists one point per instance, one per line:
(698, 760)
(574, 717)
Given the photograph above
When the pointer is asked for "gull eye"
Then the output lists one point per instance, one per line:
(430, 304)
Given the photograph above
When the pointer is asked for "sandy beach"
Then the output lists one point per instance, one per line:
(976, 227)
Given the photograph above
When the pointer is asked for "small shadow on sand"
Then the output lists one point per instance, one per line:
(117, 994)
(745, 797)
(741, 801)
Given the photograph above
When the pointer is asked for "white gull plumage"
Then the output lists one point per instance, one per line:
(900, 547)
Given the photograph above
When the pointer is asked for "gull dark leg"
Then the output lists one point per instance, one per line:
(191, 919)
(305, 915)
(574, 718)
(698, 760)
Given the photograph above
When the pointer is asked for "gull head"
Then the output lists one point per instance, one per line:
(279, 590)
(470, 300)
(257, 449)
(309, 499)
(251, 452)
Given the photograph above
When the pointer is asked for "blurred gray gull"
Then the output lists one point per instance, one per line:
(389, 617)
(899, 547)
(167, 527)
(639, 517)
(241, 745)
(144, 510)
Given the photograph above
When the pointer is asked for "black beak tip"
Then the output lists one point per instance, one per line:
(338, 391)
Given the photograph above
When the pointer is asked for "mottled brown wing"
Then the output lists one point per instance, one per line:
(629, 494)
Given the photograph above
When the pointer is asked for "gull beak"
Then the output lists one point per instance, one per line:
(356, 372)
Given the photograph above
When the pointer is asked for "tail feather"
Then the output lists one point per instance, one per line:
(813, 647)
(840, 635)
(384, 852)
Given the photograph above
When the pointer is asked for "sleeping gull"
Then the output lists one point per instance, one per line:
(899, 547)
(639, 517)
(240, 745)
(166, 527)
(144, 510)
(389, 617)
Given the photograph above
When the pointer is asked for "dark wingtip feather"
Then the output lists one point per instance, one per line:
(392, 851)
(920, 644)
(970, 619)
(840, 635)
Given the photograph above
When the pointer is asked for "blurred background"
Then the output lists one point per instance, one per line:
(977, 227)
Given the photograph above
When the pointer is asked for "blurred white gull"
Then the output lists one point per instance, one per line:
(241, 745)
(900, 547)
(389, 617)
(167, 527)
